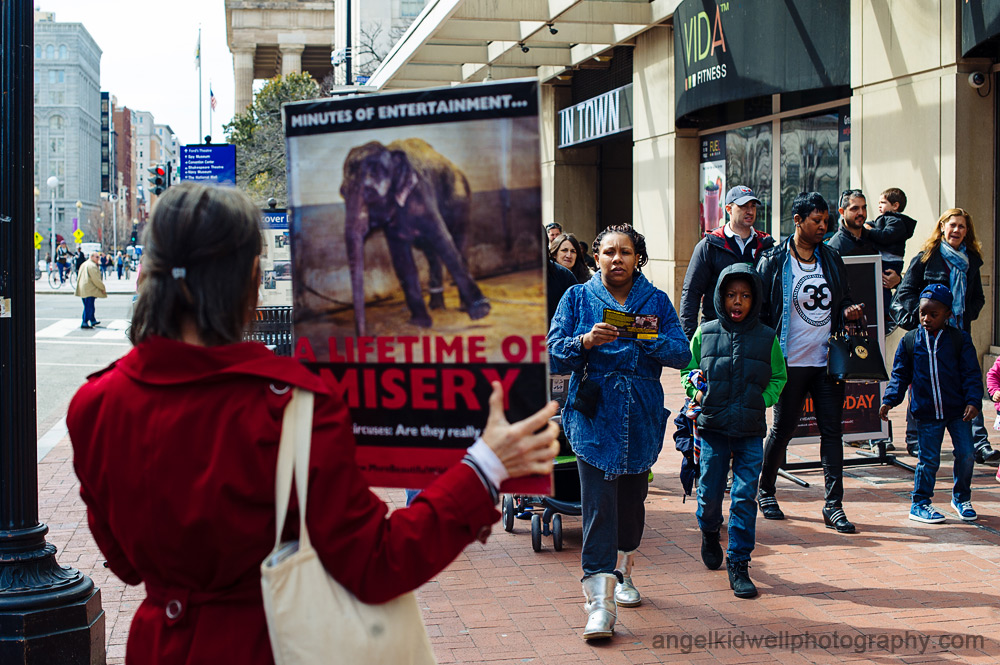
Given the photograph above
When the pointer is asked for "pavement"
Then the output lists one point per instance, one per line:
(895, 592)
(111, 283)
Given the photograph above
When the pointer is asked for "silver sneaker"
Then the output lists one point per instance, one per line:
(626, 595)
(599, 591)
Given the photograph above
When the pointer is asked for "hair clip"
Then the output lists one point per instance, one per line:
(178, 273)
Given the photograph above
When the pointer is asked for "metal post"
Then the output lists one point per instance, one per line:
(52, 183)
(48, 613)
(348, 76)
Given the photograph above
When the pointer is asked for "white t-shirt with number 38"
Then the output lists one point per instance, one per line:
(811, 315)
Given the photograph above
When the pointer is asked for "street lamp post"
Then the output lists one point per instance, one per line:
(52, 183)
(48, 613)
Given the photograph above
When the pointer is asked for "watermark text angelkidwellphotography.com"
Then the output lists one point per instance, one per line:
(906, 642)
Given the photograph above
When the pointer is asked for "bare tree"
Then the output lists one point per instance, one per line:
(368, 53)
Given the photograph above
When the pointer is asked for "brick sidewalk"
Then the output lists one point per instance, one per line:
(503, 603)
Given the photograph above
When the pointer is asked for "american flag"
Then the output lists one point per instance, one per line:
(211, 98)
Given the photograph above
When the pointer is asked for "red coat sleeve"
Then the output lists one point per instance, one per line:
(378, 557)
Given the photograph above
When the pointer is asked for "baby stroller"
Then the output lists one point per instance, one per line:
(545, 512)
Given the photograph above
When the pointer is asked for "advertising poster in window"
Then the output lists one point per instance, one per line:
(712, 191)
(861, 400)
(417, 249)
(275, 260)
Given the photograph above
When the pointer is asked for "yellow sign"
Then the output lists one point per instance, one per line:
(78, 234)
(38, 240)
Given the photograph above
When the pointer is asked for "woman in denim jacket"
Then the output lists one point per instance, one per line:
(618, 435)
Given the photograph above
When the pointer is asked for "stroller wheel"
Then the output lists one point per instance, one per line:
(557, 541)
(536, 532)
(508, 513)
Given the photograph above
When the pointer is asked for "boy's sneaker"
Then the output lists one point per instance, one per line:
(964, 510)
(926, 513)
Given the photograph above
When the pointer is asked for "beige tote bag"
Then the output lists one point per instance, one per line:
(312, 618)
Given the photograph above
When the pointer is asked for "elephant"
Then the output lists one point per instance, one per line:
(417, 198)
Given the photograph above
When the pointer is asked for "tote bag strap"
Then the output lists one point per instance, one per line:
(296, 435)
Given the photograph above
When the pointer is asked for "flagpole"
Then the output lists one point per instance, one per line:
(201, 136)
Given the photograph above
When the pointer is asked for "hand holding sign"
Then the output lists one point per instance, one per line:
(526, 447)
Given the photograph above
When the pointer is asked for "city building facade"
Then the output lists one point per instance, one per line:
(861, 94)
(280, 37)
(67, 119)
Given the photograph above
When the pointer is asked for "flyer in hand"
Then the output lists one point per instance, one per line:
(417, 265)
(633, 326)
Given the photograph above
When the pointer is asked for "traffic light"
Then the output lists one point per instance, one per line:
(135, 235)
(158, 179)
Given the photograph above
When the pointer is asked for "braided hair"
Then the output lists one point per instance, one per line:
(638, 242)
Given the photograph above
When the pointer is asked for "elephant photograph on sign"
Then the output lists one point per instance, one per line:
(418, 199)
(417, 231)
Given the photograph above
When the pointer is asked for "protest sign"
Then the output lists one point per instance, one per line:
(417, 256)
(861, 400)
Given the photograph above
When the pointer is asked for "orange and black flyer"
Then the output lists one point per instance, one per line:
(417, 267)
(633, 326)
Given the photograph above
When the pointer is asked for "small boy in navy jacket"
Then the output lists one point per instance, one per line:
(940, 363)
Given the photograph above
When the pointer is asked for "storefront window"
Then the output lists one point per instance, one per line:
(811, 161)
(748, 162)
(737, 157)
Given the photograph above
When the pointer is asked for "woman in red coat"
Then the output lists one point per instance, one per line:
(176, 445)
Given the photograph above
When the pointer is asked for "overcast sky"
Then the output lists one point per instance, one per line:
(148, 57)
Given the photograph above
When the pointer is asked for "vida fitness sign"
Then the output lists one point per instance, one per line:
(730, 50)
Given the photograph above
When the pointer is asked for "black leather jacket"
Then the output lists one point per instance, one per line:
(770, 267)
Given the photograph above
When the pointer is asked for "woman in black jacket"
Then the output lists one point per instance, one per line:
(951, 256)
(806, 297)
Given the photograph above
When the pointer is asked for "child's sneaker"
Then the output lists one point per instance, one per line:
(925, 513)
(964, 510)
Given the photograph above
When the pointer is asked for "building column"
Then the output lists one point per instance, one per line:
(291, 58)
(243, 73)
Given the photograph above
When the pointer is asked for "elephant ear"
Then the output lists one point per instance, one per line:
(404, 178)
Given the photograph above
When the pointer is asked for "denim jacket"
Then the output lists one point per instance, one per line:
(626, 435)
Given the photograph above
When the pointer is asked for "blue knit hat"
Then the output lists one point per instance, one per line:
(938, 292)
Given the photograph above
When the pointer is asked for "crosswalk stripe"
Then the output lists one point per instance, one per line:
(63, 327)
(60, 328)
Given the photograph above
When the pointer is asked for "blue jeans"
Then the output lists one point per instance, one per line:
(930, 434)
(410, 496)
(980, 437)
(747, 455)
(614, 514)
(89, 318)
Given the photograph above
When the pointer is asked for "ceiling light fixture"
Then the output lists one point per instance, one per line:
(552, 29)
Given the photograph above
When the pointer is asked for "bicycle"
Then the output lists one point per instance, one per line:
(56, 280)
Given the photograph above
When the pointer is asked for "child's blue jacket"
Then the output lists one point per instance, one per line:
(944, 379)
(626, 434)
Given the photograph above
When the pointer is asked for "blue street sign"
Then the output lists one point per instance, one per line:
(209, 163)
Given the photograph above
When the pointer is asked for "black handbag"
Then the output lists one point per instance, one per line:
(588, 394)
(854, 355)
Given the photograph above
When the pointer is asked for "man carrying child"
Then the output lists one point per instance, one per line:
(940, 365)
(745, 368)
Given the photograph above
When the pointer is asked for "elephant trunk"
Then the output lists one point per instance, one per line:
(355, 229)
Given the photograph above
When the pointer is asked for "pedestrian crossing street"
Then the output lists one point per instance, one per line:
(113, 330)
